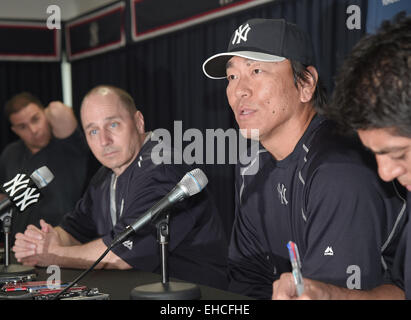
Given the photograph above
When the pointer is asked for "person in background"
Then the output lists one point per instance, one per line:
(48, 137)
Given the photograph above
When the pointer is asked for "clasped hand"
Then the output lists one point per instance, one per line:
(37, 246)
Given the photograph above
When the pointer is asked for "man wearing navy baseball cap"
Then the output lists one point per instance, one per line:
(372, 96)
(267, 40)
(313, 187)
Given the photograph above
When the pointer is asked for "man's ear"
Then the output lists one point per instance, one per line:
(307, 87)
(139, 121)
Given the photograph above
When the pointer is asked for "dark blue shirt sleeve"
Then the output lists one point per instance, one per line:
(247, 262)
(250, 266)
(401, 274)
(79, 223)
(351, 219)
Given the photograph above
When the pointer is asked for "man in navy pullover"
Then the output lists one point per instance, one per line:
(373, 97)
(313, 186)
(128, 184)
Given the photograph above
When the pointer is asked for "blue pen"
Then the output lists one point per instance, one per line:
(296, 265)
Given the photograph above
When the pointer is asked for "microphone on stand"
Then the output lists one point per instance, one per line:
(192, 183)
(21, 192)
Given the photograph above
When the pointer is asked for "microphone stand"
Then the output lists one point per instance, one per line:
(12, 272)
(165, 290)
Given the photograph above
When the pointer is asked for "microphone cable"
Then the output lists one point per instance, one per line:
(81, 276)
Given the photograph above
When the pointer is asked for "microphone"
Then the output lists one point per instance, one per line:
(23, 191)
(192, 183)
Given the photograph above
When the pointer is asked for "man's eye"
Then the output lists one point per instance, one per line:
(400, 157)
(231, 77)
(257, 71)
(93, 132)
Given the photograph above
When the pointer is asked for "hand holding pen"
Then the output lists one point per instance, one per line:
(296, 265)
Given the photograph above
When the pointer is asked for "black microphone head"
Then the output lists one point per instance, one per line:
(193, 182)
(42, 177)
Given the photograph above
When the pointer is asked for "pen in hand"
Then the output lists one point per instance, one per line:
(296, 265)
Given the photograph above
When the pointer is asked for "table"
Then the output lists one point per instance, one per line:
(119, 283)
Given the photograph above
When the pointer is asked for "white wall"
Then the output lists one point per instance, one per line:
(36, 9)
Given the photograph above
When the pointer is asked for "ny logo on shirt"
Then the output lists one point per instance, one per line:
(281, 193)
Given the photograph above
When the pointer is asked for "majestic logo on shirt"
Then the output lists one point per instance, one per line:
(329, 251)
(128, 244)
(241, 34)
(281, 193)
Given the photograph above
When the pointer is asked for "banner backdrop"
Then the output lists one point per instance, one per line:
(99, 32)
(29, 41)
(150, 18)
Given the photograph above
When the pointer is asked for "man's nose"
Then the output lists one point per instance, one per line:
(105, 138)
(388, 169)
(243, 88)
(33, 128)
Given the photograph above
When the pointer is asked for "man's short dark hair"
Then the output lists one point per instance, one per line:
(374, 84)
(301, 74)
(20, 101)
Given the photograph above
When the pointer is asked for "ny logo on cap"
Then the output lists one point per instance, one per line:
(241, 34)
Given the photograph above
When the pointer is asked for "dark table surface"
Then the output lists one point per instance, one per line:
(119, 283)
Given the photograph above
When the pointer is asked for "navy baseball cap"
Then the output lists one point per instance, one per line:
(268, 40)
